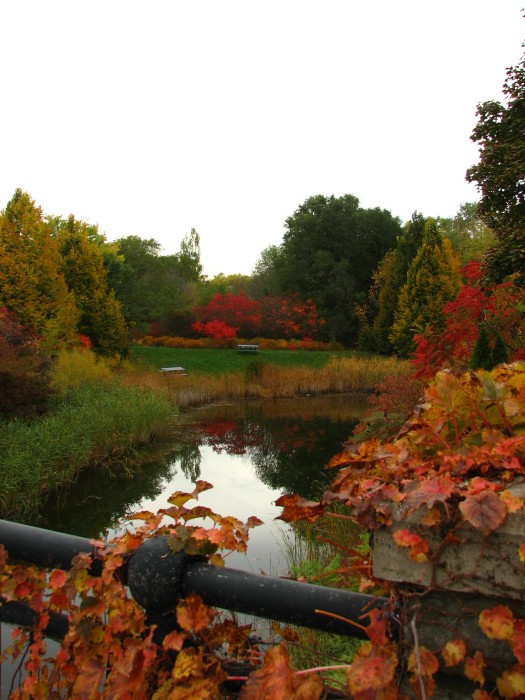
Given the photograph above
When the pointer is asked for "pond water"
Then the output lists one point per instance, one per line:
(251, 451)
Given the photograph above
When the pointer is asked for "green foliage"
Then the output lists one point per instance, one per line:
(329, 252)
(499, 174)
(92, 425)
(433, 279)
(482, 355)
(392, 275)
(82, 264)
(499, 351)
(469, 235)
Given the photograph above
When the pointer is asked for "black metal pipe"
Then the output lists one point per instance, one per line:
(45, 548)
(20, 615)
(159, 578)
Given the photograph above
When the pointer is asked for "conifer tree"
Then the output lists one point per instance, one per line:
(499, 351)
(82, 264)
(31, 284)
(482, 354)
(433, 279)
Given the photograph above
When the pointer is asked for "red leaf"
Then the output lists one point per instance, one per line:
(274, 680)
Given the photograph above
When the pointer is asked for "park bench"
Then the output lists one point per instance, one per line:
(251, 349)
(175, 370)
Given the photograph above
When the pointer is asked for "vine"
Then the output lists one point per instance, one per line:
(455, 468)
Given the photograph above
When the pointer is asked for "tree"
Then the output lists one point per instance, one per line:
(82, 264)
(24, 381)
(31, 283)
(267, 274)
(432, 280)
(233, 311)
(468, 233)
(393, 269)
(499, 175)
(329, 252)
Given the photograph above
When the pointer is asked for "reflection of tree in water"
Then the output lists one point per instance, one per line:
(287, 453)
(99, 500)
(189, 459)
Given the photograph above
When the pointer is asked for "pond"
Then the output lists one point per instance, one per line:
(251, 451)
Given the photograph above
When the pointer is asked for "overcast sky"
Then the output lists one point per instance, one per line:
(150, 118)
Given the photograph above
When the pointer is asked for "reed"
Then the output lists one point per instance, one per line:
(95, 424)
(338, 375)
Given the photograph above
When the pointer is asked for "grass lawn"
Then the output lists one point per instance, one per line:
(221, 361)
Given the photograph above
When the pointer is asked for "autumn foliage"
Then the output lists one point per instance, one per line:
(229, 315)
(454, 463)
(499, 308)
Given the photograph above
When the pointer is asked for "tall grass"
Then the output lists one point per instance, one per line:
(341, 374)
(318, 553)
(92, 425)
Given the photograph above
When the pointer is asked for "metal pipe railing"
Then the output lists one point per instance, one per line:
(158, 579)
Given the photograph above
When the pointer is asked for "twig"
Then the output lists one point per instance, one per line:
(418, 658)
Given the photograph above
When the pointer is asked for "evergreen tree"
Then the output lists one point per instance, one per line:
(31, 283)
(499, 351)
(82, 264)
(433, 279)
(395, 268)
(482, 354)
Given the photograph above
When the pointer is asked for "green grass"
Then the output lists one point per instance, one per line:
(93, 425)
(218, 362)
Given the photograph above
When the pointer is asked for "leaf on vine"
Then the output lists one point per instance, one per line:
(372, 670)
(485, 511)
(431, 491)
(297, 508)
(307, 687)
(378, 628)
(88, 678)
(253, 521)
(474, 666)
(517, 641)
(521, 552)
(418, 546)
(173, 641)
(497, 622)
(481, 695)
(193, 615)
(512, 683)
(274, 680)
(424, 662)
(513, 503)
(57, 579)
(201, 486)
(453, 652)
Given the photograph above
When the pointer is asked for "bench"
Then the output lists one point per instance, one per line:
(253, 349)
(176, 370)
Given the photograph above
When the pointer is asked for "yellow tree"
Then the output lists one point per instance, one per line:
(31, 284)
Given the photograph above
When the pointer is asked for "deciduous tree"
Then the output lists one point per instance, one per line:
(499, 174)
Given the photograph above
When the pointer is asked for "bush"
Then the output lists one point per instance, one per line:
(24, 382)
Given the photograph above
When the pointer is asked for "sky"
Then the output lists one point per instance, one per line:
(155, 117)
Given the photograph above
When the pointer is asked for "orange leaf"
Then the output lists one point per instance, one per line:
(512, 683)
(174, 641)
(521, 553)
(193, 615)
(474, 668)
(513, 503)
(485, 511)
(57, 579)
(497, 622)
(372, 669)
(453, 652)
(517, 641)
(274, 680)
(427, 664)
(297, 508)
(418, 546)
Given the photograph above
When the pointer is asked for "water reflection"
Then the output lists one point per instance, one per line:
(251, 451)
